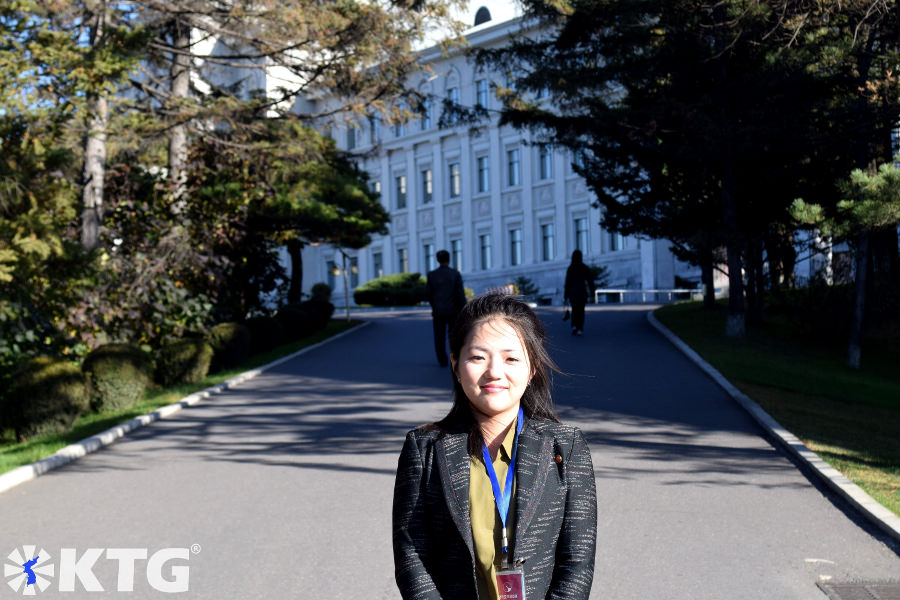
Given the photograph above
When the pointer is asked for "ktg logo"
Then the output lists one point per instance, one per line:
(31, 571)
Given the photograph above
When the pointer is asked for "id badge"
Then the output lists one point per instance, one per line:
(511, 584)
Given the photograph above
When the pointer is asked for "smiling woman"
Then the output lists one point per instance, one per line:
(469, 486)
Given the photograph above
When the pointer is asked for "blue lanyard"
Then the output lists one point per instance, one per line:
(503, 498)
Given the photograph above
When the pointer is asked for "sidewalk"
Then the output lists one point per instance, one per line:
(285, 481)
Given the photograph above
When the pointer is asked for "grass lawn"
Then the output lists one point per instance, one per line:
(849, 418)
(15, 454)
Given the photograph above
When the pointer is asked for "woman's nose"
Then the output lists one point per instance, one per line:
(493, 368)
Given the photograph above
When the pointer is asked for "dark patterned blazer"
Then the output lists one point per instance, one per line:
(556, 514)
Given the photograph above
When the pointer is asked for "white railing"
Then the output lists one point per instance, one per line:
(693, 294)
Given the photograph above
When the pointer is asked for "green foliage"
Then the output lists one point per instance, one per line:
(45, 396)
(265, 334)
(230, 343)
(320, 291)
(183, 361)
(116, 376)
(871, 201)
(525, 286)
(321, 311)
(303, 319)
(599, 275)
(399, 289)
(818, 311)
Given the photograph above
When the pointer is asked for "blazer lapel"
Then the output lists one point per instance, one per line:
(453, 464)
(532, 464)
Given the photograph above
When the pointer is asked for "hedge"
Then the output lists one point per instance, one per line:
(45, 396)
(399, 289)
(116, 376)
(230, 343)
(183, 361)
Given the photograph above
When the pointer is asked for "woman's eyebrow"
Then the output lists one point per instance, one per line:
(483, 349)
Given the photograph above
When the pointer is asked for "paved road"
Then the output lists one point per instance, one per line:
(285, 482)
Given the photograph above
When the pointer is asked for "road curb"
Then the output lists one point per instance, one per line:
(886, 520)
(73, 452)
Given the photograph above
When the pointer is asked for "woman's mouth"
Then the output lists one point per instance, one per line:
(492, 389)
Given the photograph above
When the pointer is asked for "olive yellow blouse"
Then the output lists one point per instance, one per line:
(487, 529)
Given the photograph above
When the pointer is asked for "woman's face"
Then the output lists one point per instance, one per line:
(494, 369)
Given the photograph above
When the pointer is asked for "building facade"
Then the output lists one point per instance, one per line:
(503, 205)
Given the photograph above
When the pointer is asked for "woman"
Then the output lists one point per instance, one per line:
(579, 284)
(450, 509)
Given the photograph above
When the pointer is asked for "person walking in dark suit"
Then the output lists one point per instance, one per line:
(579, 283)
(446, 296)
(498, 499)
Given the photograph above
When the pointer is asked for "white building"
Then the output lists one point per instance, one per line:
(502, 205)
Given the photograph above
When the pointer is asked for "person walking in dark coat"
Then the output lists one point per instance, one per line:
(446, 296)
(498, 499)
(579, 284)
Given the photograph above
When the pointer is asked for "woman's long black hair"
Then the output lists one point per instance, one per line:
(536, 402)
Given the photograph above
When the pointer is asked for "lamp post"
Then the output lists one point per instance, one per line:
(338, 271)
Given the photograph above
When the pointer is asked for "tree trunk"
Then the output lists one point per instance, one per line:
(94, 172)
(707, 275)
(736, 326)
(94, 150)
(295, 291)
(180, 74)
(854, 349)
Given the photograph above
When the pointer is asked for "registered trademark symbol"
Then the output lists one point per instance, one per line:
(195, 548)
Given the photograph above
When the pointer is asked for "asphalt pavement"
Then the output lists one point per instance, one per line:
(282, 486)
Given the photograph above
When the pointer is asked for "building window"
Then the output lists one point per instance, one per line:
(375, 186)
(455, 180)
(581, 234)
(481, 93)
(483, 174)
(331, 273)
(616, 242)
(400, 190)
(425, 114)
(428, 261)
(484, 241)
(578, 159)
(402, 260)
(456, 253)
(353, 265)
(427, 186)
(377, 264)
(374, 131)
(512, 167)
(453, 100)
(399, 129)
(547, 241)
(351, 137)
(515, 247)
(545, 160)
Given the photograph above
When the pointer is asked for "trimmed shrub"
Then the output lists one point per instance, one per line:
(230, 343)
(116, 376)
(399, 289)
(320, 291)
(296, 320)
(300, 320)
(265, 334)
(321, 311)
(45, 395)
(183, 361)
